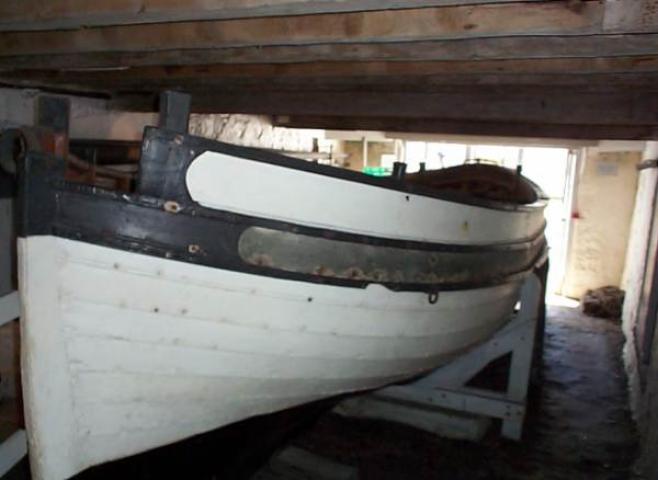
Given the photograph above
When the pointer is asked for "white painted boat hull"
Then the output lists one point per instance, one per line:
(124, 352)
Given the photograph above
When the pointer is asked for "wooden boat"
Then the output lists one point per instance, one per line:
(236, 282)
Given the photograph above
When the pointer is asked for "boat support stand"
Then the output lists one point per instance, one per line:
(442, 403)
(50, 133)
(14, 448)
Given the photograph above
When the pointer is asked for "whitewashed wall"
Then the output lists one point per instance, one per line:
(643, 403)
(90, 117)
(605, 195)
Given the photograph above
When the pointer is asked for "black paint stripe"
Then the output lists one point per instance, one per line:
(198, 235)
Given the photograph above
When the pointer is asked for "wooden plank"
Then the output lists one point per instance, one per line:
(492, 405)
(26, 15)
(475, 49)
(356, 69)
(12, 450)
(437, 421)
(10, 307)
(541, 106)
(312, 87)
(595, 72)
(622, 15)
(555, 18)
(647, 81)
(635, 72)
(294, 463)
(505, 48)
(489, 129)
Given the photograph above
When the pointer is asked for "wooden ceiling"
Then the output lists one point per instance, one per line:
(559, 68)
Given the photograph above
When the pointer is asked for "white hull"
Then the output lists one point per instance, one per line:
(125, 352)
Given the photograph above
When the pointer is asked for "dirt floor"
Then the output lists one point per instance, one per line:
(578, 427)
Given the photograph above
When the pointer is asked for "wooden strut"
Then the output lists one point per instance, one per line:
(12, 451)
(444, 389)
(14, 448)
(52, 116)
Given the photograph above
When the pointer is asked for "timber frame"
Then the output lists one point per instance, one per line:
(583, 69)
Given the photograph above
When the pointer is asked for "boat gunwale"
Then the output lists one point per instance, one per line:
(74, 211)
(195, 209)
(193, 146)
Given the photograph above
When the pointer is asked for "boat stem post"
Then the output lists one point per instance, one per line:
(53, 112)
(175, 111)
(443, 397)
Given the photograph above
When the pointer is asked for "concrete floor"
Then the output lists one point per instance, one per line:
(578, 426)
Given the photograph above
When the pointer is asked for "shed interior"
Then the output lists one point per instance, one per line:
(568, 89)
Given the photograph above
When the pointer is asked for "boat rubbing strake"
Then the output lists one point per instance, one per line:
(236, 282)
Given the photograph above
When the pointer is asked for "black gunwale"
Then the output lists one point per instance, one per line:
(52, 206)
(143, 223)
(196, 210)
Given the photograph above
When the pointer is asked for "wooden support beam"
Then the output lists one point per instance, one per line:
(540, 66)
(440, 23)
(474, 49)
(533, 106)
(410, 83)
(606, 71)
(26, 15)
(624, 15)
(488, 129)
(557, 64)
(10, 306)
(324, 45)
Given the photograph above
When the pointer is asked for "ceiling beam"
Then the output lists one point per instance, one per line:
(488, 129)
(447, 32)
(556, 66)
(646, 82)
(443, 71)
(474, 49)
(440, 23)
(31, 15)
(477, 104)
(598, 72)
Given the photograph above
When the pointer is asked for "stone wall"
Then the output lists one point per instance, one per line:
(604, 199)
(252, 131)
